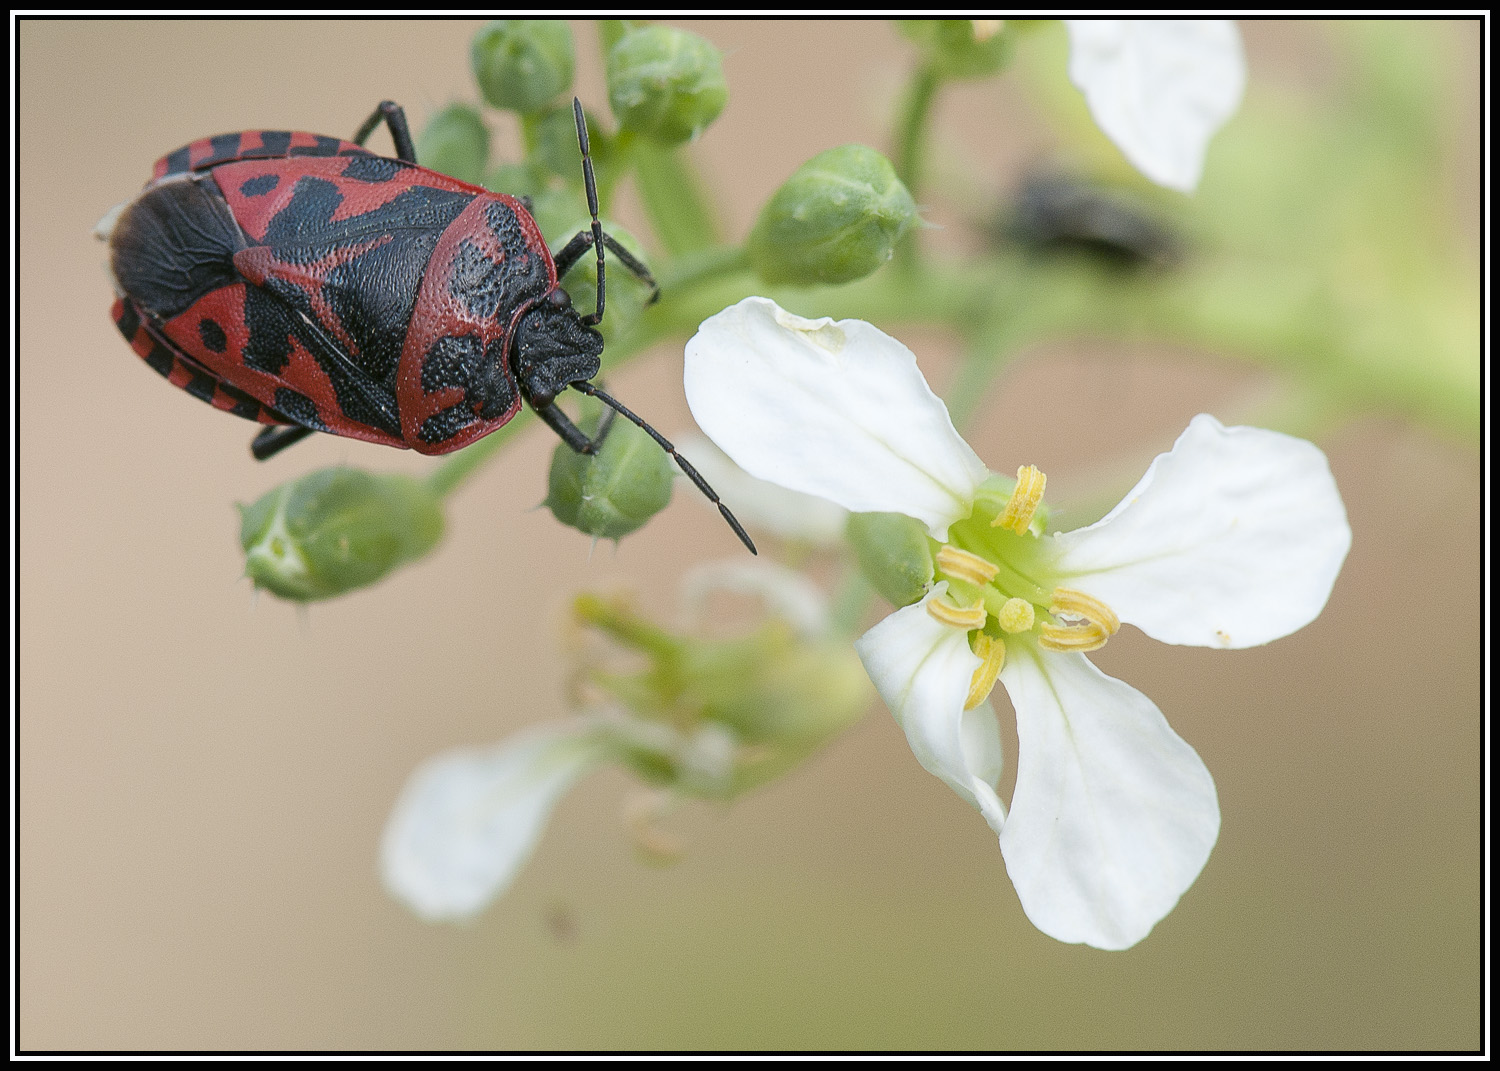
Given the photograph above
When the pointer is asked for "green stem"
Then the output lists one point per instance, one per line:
(454, 470)
(911, 138)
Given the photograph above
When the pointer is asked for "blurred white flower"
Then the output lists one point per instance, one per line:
(469, 819)
(708, 716)
(1159, 88)
(1231, 539)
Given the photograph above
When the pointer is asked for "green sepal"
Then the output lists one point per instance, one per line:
(894, 555)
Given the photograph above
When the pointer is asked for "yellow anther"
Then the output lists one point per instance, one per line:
(1088, 636)
(983, 681)
(1077, 604)
(961, 565)
(1017, 615)
(964, 617)
(1030, 483)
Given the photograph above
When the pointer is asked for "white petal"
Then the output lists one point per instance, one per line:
(1113, 815)
(922, 669)
(759, 504)
(1232, 539)
(1159, 88)
(838, 410)
(469, 819)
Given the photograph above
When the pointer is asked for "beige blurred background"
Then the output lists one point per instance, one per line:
(204, 776)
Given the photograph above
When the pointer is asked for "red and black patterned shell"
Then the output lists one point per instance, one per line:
(292, 278)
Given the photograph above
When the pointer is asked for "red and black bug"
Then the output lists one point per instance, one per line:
(306, 283)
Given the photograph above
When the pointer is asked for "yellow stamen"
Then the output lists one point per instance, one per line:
(964, 617)
(1077, 604)
(1017, 615)
(1030, 483)
(1088, 636)
(961, 565)
(983, 681)
(984, 29)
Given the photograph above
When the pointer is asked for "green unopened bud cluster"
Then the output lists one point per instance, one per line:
(837, 219)
(665, 84)
(766, 699)
(523, 65)
(613, 492)
(335, 530)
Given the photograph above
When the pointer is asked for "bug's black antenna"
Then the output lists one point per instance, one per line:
(682, 462)
(593, 196)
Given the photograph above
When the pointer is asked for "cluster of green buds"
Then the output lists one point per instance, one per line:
(711, 718)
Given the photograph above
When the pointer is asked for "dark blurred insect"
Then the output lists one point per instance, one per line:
(306, 283)
(1060, 214)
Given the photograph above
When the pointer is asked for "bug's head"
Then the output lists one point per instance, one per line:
(553, 349)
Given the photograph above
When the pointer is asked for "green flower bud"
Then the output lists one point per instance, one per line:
(522, 65)
(518, 180)
(456, 142)
(665, 84)
(553, 138)
(837, 219)
(893, 554)
(335, 530)
(961, 48)
(613, 492)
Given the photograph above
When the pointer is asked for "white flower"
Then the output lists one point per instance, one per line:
(469, 819)
(758, 504)
(1159, 88)
(1231, 539)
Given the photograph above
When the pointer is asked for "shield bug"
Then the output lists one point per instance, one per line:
(307, 283)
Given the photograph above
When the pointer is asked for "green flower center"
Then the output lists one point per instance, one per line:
(1000, 584)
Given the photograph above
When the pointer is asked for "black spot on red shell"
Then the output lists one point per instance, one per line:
(212, 335)
(201, 386)
(254, 187)
(372, 168)
(299, 409)
(445, 424)
(322, 146)
(160, 359)
(452, 361)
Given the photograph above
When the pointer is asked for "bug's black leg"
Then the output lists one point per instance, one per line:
(568, 255)
(570, 433)
(276, 438)
(661, 440)
(395, 119)
(635, 267)
(579, 244)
